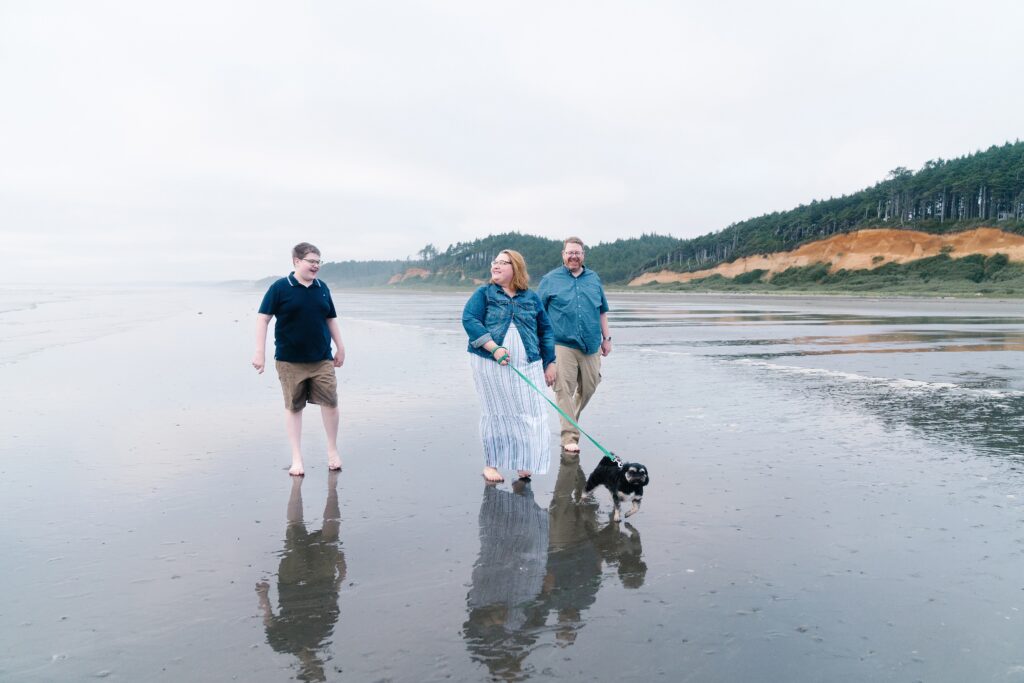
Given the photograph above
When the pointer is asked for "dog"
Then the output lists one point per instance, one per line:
(625, 482)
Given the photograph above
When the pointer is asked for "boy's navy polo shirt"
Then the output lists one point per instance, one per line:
(300, 333)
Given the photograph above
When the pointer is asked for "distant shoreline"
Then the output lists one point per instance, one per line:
(730, 294)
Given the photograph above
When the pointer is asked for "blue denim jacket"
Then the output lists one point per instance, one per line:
(490, 311)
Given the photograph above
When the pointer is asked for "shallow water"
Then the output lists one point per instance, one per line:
(835, 495)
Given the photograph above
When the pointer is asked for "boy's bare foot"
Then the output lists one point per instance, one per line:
(334, 462)
(492, 475)
(296, 470)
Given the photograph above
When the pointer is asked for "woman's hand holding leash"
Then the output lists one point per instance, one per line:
(502, 357)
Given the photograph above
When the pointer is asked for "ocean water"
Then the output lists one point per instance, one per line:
(836, 494)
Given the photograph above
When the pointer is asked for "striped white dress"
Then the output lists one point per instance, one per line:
(514, 417)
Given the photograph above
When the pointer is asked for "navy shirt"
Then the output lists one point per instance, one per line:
(300, 333)
(575, 305)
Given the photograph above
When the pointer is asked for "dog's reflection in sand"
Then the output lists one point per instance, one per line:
(309, 578)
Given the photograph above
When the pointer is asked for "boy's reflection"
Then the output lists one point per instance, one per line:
(308, 579)
(534, 563)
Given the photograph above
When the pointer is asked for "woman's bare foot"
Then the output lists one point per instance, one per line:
(492, 475)
(524, 474)
(571, 448)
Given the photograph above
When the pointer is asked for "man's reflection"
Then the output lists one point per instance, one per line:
(578, 551)
(533, 564)
(309, 577)
(574, 566)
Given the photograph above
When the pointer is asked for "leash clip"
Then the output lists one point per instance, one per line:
(617, 460)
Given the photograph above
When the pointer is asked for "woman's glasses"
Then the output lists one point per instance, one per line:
(499, 262)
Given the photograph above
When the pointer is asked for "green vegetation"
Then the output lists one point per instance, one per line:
(616, 261)
(938, 275)
(984, 188)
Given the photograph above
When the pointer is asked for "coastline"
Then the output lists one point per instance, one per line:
(661, 290)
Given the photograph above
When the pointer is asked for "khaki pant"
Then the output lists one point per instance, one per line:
(578, 377)
(304, 383)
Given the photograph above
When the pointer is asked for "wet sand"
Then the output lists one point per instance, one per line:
(796, 528)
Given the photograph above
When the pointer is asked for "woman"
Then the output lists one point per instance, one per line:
(506, 323)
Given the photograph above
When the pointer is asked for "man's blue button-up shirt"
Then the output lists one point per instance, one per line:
(575, 305)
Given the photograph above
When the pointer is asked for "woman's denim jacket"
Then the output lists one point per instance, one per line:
(489, 312)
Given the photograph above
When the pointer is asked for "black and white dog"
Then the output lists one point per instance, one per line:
(624, 483)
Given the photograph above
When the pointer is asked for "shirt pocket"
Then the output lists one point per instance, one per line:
(526, 312)
(497, 311)
(592, 296)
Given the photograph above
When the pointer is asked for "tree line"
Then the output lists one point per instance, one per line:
(983, 188)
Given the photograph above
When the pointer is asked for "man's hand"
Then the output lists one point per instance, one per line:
(550, 374)
(259, 359)
(606, 347)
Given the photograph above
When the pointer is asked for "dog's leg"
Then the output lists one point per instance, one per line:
(636, 507)
(615, 508)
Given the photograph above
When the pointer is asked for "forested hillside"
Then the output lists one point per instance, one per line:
(984, 188)
(615, 261)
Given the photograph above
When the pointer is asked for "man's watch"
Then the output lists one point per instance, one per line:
(607, 339)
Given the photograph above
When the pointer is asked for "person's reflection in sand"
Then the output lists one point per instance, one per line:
(579, 548)
(533, 563)
(309, 577)
(507, 578)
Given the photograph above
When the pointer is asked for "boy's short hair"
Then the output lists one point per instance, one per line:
(300, 250)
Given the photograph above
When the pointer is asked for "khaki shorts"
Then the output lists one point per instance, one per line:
(304, 383)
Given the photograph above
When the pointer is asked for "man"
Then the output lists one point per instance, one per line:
(306, 325)
(574, 298)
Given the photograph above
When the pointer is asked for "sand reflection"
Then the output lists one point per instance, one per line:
(309, 577)
(539, 571)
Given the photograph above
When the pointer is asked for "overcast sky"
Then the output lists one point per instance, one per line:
(200, 140)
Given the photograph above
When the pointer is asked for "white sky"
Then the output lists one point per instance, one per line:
(200, 140)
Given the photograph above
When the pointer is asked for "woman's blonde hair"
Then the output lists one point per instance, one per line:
(520, 278)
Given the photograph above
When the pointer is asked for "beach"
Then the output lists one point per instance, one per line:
(835, 495)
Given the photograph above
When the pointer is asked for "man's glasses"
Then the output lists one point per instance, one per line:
(573, 253)
(499, 262)
(312, 261)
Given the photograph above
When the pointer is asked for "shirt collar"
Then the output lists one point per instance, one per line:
(498, 288)
(294, 281)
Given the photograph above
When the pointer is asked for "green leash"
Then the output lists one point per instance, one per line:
(611, 456)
